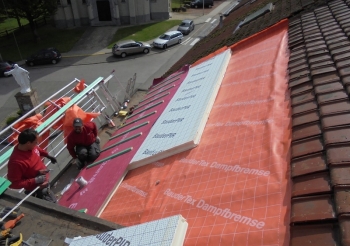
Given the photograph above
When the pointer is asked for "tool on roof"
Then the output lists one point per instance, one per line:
(17, 241)
(12, 215)
(5, 234)
(110, 121)
(12, 223)
(12, 240)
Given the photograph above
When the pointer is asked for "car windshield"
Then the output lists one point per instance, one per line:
(139, 43)
(185, 24)
(165, 37)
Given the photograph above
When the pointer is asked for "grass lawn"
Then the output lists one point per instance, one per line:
(19, 45)
(6, 24)
(176, 3)
(144, 32)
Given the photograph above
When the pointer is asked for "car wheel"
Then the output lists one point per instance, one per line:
(179, 41)
(165, 46)
(31, 64)
(53, 61)
(146, 51)
(123, 55)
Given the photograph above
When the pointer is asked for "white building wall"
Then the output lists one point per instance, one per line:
(123, 12)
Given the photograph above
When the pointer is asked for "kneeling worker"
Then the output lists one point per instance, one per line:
(83, 143)
(25, 168)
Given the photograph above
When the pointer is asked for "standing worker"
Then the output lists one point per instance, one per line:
(26, 169)
(83, 143)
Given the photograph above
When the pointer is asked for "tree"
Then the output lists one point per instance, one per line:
(30, 10)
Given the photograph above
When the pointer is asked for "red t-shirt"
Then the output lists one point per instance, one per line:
(86, 137)
(23, 167)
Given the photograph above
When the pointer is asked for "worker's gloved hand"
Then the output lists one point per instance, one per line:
(98, 140)
(52, 159)
(44, 185)
(40, 179)
(43, 171)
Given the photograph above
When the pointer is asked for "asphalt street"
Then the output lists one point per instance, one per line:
(88, 64)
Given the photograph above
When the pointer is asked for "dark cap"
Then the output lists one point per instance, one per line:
(77, 122)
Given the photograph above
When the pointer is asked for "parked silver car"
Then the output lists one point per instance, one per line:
(186, 27)
(128, 47)
(167, 39)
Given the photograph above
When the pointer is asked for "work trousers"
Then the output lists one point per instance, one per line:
(87, 154)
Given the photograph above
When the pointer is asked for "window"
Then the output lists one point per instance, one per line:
(69, 2)
(58, 2)
(84, 1)
(123, 1)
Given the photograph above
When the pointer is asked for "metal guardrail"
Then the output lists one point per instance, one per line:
(95, 98)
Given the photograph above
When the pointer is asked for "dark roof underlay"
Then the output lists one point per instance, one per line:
(225, 36)
(319, 69)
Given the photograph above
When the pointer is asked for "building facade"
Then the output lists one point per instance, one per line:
(74, 13)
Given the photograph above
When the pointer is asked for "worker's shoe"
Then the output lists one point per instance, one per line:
(80, 165)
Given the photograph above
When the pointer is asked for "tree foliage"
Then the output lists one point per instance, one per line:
(30, 10)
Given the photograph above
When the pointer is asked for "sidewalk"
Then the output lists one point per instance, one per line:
(96, 39)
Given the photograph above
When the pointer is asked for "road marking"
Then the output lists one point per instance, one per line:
(186, 41)
(208, 20)
(195, 41)
(213, 21)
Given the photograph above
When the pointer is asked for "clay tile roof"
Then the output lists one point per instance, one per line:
(320, 162)
(319, 82)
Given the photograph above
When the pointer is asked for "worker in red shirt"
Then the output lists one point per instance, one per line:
(83, 143)
(26, 169)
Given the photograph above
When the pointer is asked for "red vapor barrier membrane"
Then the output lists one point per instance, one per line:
(233, 188)
(104, 178)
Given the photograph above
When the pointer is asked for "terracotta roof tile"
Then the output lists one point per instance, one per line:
(299, 81)
(304, 108)
(307, 147)
(332, 96)
(309, 164)
(305, 97)
(336, 39)
(298, 62)
(342, 199)
(330, 87)
(325, 78)
(320, 58)
(337, 155)
(335, 108)
(312, 208)
(343, 63)
(315, 183)
(305, 87)
(325, 70)
(340, 175)
(306, 131)
(339, 50)
(321, 234)
(343, 56)
(321, 64)
(337, 136)
(344, 222)
(319, 143)
(346, 80)
(306, 118)
(335, 120)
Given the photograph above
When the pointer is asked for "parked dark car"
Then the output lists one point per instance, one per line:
(5, 67)
(44, 56)
(199, 3)
(186, 27)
